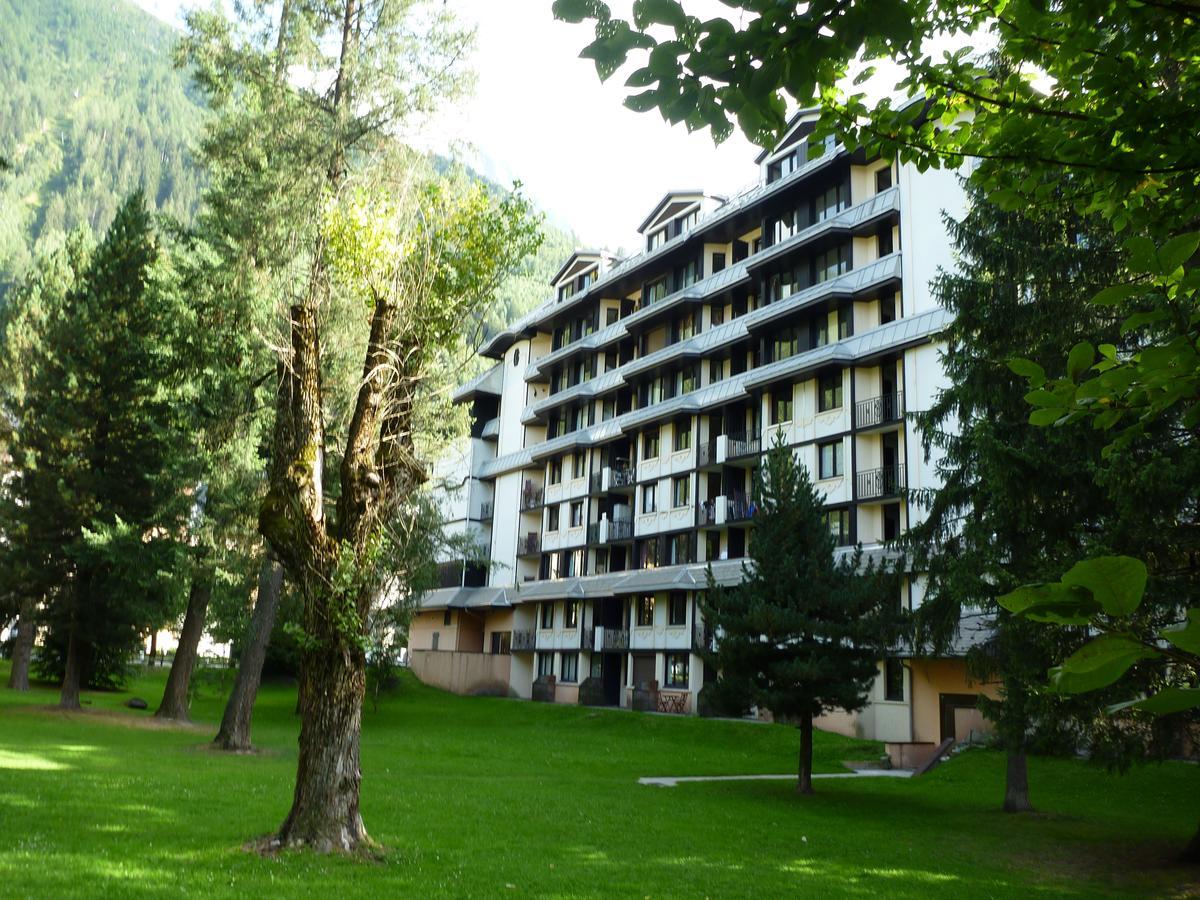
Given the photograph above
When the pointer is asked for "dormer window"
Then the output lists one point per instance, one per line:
(657, 239)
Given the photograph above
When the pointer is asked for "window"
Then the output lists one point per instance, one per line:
(517, 357)
(781, 405)
(838, 523)
(883, 179)
(448, 618)
(552, 518)
(545, 664)
(893, 680)
(884, 245)
(576, 513)
(832, 263)
(681, 490)
(830, 459)
(610, 316)
(677, 670)
(831, 202)
(434, 644)
(718, 262)
(649, 503)
(547, 615)
(716, 370)
(685, 328)
(650, 444)
(712, 545)
(654, 292)
(571, 614)
(645, 610)
(502, 642)
(785, 343)
(657, 239)
(579, 465)
(555, 471)
(716, 316)
(649, 553)
(829, 392)
(678, 608)
(570, 668)
(683, 435)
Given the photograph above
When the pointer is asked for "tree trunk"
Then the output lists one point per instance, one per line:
(804, 784)
(18, 678)
(175, 697)
(153, 647)
(325, 812)
(1191, 853)
(1016, 783)
(239, 711)
(69, 698)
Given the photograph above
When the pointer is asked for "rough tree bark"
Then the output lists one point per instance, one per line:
(234, 734)
(18, 678)
(73, 675)
(1016, 783)
(804, 784)
(175, 696)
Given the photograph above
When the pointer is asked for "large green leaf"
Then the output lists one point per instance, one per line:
(1165, 702)
(1117, 582)
(1175, 252)
(1098, 663)
(1185, 637)
(1055, 602)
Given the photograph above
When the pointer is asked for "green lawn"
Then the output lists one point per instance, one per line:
(491, 797)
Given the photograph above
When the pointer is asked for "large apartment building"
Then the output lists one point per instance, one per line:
(615, 436)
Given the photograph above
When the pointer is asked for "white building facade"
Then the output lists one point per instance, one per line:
(616, 434)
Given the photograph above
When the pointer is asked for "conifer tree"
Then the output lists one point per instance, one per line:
(804, 632)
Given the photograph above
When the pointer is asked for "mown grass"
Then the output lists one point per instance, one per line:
(492, 797)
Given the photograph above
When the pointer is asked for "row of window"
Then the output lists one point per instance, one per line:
(829, 398)
(676, 670)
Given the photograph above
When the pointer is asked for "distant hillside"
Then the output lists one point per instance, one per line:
(91, 108)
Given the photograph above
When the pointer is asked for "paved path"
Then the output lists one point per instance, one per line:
(667, 781)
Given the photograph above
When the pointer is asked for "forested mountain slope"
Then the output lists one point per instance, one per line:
(91, 108)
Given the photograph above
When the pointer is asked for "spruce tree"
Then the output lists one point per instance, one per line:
(804, 632)
(1017, 503)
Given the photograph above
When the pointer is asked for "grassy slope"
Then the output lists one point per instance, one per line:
(474, 795)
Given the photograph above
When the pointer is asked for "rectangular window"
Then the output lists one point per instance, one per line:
(576, 513)
(502, 642)
(579, 464)
(893, 680)
(677, 670)
(832, 263)
(650, 553)
(831, 202)
(448, 618)
(649, 499)
(838, 523)
(786, 343)
(718, 262)
(554, 475)
(571, 614)
(685, 328)
(678, 608)
(829, 392)
(883, 179)
(570, 668)
(552, 517)
(434, 645)
(611, 316)
(716, 316)
(545, 664)
(681, 549)
(830, 459)
(681, 490)
(781, 405)
(650, 444)
(654, 292)
(884, 242)
(716, 370)
(547, 615)
(683, 435)
(645, 610)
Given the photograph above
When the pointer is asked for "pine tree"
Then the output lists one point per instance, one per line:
(103, 453)
(804, 632)
(1017, 502)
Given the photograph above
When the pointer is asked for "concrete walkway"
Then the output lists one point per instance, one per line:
(667, 781)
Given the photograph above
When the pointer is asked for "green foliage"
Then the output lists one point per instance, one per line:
(803, 633)
(90, 110)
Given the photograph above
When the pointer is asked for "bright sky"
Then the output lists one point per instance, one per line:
(541, 115)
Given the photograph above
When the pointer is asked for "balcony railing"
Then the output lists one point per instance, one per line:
(879, 410)
(530, 545)
(703, 638)
(593, 533)
(486, 510)
(706, 513)
(615, 639)
(531, 498)
(884, 482)
(620, 477)
(524, 641)
(620, 529)
(738, 508)
(706, 453)
(741, 445)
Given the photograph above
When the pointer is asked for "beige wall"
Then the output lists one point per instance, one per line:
(424, 624)
(470, 631)
(463, 673)
(932, 677)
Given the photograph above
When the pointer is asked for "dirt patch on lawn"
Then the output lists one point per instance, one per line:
(115, 717)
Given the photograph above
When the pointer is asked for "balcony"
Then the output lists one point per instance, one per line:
(530, 545)
(524, 641)
(606, 531)
(618, 478)
(880, 410)
(874, 484)
(706, 453)
(531, 499)
(738, 445)
(486, 511)
(601, 639)
(703, 639)
(706, 513)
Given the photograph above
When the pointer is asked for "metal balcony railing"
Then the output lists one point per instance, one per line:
(884, 482)
(739, 445)
(703, 638)
(615, 639)
(706, 453)
(706, 513)
(620, 529)
(530, 545)
(486, 510)
(531, 498)
(879, 410)
(620, 477)
(524, 641)
(593, 533)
